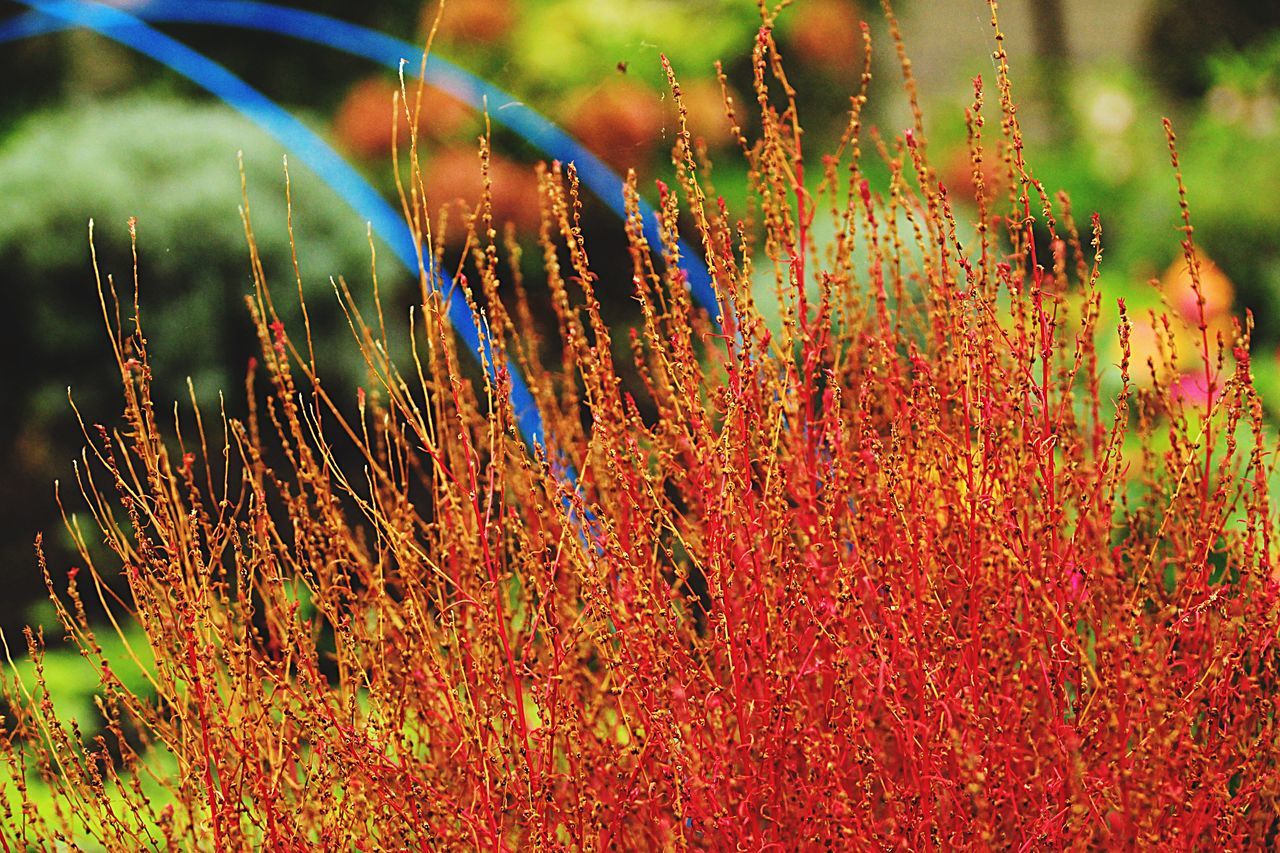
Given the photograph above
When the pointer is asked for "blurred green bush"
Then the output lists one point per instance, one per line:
(172, 165)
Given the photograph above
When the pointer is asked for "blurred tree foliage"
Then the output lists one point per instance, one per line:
(44, 70)
(1184, 35)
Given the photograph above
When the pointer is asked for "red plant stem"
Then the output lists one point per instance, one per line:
(215, 811)
(483, 519)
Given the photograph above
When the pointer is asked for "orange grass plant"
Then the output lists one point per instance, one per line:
(891, 573)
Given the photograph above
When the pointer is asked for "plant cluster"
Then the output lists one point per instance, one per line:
(887, 574)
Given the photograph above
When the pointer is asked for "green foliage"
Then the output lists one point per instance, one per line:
(172, 166)
(1231, 158)
(569, 43)
(1115, 163)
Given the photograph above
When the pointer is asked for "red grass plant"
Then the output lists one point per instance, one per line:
(887, 575)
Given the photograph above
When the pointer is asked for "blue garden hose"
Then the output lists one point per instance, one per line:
(303, 143)
(391, 52)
